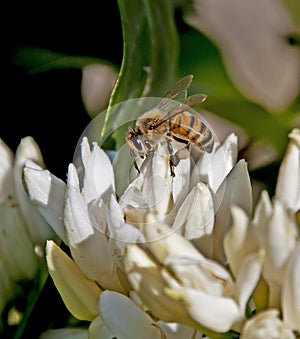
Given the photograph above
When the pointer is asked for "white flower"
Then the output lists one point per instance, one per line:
(274, 231)
(6, 177)
(276, 223)
(98, 227)
(290, 299)
(253, 39)
(47, 193)
(168, 240)
(288, 183)
(118, 311)
(266, 325)
(38, 229)
(23, 231)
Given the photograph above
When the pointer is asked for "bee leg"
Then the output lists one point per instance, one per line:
(133, 157)
(174, 160)
(182, 153)
(173, 163)
(136, 166)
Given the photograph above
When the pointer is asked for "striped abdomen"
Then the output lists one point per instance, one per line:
(188, 127)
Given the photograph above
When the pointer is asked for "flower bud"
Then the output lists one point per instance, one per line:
(79, 293)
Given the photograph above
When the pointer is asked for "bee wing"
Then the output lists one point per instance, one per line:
(190, 101)
(180, 88)
(194, 100)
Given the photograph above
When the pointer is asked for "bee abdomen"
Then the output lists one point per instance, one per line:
(193, 130)
(205, 139)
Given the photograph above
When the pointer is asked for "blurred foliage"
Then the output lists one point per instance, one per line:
(224, 99)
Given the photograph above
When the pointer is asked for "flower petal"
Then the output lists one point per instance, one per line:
(133, 195)
(212, 168)
(88, 242)
(126, 234)
(288, 183)
(181, 182)
(6, 175)
(161, 240)
(235, 190)
(114, 215)
(248, 278)
(16, 250)
(76, 214)
(240, 240)
(212, 312)
(179, 331)
(266, 325)
(98, 330)
(195, 218)
(38, 228)
(262, 214)
(161, 183)
(98, 175)
(280, 242)
(124, 319)
(290, 300)
(79, 293)
(47, 192)
(187, 265)
(145, 278)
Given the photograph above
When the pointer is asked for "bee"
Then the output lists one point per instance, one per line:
(171, 123)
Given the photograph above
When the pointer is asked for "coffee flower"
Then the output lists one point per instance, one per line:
(97, 226)
(160, 248)
(273, 230)
(23, 231)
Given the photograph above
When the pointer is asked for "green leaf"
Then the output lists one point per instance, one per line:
(37, 60)
(150, 59)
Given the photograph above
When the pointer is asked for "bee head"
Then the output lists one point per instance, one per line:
(139, 143)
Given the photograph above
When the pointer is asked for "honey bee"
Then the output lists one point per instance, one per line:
(171, 124)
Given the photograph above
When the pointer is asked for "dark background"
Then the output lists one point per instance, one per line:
(48, 106)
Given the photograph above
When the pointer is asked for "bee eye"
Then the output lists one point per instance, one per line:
(148, 144)
(138, 144)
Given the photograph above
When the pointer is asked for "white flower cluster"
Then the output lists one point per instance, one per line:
(23, 231)
(173, 257)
